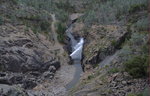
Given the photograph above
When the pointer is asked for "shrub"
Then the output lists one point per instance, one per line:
(137, 66)
(136, 7)
(113, 42)
(61, 32)
(90, 77)
(45, 25)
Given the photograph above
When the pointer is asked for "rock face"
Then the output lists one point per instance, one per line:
(103, 82)
(101, 41)
(25, 57)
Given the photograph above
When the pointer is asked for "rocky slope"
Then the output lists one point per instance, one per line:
(107, 72)
(29, 53)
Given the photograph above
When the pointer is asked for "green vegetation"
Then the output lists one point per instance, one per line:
(137, 7)
(113, 42)
(61, 32)
(44, 25)
(113, 70)
(137, 66)
(36, 14)
(136, 94)
(90, 77)
(106, 12)
(15, 1)
(142, 24)
(135, 50)
(60, 8)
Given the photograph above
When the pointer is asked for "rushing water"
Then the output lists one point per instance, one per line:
(76, 56)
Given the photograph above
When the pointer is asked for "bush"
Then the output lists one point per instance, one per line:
(137, 7)
(61, 32)
(137, 66)
(45, 25)
(113, 42)
(90, 77)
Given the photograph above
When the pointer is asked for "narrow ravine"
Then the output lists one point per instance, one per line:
(76, 57)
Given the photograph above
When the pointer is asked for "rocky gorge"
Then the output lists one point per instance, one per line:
(35, 48)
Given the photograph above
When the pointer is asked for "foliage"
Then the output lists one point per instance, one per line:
(62, 15)
(137, 66)
(130, 94)
(136, 7)
(15, 1)
(61, 32)
(113, 70)
(90, 77)
(107, 12)
(113, 42)
(44, 25)
(142, 24)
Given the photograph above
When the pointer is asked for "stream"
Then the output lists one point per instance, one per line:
(76, 57)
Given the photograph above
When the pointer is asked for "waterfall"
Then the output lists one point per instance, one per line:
(77, 53)
(76, 47)
(76, 57)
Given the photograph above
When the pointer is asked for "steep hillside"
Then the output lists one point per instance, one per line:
(30, 49)
(116, 48)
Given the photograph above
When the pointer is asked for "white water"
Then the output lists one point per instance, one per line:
(77, 53)
(76, 56)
